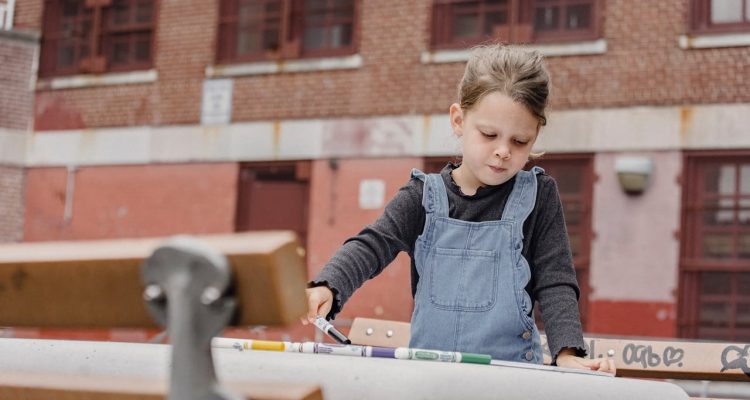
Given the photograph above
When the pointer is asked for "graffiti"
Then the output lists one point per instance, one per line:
(648, 358)
(738, 361)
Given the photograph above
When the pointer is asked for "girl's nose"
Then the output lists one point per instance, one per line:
(503, 152)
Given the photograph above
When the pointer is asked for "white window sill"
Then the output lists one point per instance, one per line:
(687, 42)
(286, 66)
(90, 80)
(592, 47)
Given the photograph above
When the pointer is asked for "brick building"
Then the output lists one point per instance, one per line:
(156, 117)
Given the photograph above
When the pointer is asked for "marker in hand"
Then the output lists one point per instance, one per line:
(328, 329)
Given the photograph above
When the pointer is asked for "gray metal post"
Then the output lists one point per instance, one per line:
(186, 285)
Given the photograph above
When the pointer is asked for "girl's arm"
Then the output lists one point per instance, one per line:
(554, 281)
(364, 256)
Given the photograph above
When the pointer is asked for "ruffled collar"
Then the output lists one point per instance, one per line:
(482, 191)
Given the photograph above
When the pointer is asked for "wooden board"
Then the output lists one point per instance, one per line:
(638, 358)
(33, 386)
(675, 359)
(97, 284)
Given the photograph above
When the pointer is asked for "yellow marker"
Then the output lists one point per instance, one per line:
(267, 345)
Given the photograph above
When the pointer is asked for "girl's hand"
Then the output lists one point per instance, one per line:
(319, 302)
(568, 359)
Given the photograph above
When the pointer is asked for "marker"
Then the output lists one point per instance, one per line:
(329, 329)
(405, 353)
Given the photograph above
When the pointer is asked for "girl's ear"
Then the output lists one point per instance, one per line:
(457, 119)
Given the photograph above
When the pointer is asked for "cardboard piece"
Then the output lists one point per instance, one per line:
(97, 284)
(637, 358)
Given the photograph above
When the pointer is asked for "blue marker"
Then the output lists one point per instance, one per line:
(329, 329)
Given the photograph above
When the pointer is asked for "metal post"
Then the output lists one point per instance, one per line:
(186, 291)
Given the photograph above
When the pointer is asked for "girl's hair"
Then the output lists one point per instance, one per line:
(517, 73)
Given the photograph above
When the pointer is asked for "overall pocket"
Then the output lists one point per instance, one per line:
(463, 280)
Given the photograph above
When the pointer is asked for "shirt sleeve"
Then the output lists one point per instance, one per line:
(365, 255)
(554, 279)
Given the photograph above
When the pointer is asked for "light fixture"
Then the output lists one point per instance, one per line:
(634, 173)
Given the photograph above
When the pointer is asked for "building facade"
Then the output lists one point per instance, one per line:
(157, 117)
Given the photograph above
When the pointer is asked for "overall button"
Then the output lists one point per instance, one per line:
(529, 355)
(526, 335)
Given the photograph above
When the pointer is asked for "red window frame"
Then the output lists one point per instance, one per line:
(563, 33)
(284, 28)
(700, 19)
(714, 262)
(576, 195)
(93, 36)
(273, 195)
(519, 26)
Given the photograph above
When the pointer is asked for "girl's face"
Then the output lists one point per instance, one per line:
(498, 135)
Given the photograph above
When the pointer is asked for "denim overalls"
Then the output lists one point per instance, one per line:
(471, 294)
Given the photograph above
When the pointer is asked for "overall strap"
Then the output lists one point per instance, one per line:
(523, 197)
(434, 194)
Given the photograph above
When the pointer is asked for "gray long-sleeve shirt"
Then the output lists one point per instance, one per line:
(545, 246)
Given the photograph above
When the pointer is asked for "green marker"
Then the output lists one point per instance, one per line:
(405, 353)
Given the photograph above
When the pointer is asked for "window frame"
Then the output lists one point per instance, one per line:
(97, 39)
(692, 263)
(700, 19)
(108, 31)
(291, 33)
(563, 35)
(520, 27)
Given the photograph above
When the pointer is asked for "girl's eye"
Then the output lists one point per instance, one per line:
(489, 135)
(521, 142)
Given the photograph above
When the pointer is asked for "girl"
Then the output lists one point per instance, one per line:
(486, 238)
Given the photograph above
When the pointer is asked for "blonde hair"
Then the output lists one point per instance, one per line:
(515, 72)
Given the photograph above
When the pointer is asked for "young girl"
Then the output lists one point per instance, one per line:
(486, 238)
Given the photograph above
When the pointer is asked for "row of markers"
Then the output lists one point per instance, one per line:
(400, 353)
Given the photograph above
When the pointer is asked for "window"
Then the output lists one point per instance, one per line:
(461, 23)
(715, 247)
(574, 174)
(274, 196)
(95, 36)
(720, 15)
(251, 30)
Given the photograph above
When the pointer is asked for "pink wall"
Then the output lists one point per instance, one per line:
(335, 215)
(635, 252)
(131, 201)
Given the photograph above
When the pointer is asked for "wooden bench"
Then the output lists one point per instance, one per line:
(195, 287)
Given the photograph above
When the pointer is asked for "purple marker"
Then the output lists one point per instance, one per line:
(383, 352)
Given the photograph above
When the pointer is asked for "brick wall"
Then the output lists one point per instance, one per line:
(28, 15)
(643, 66)
(130, 201)
(17, 51)
(11, 203)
